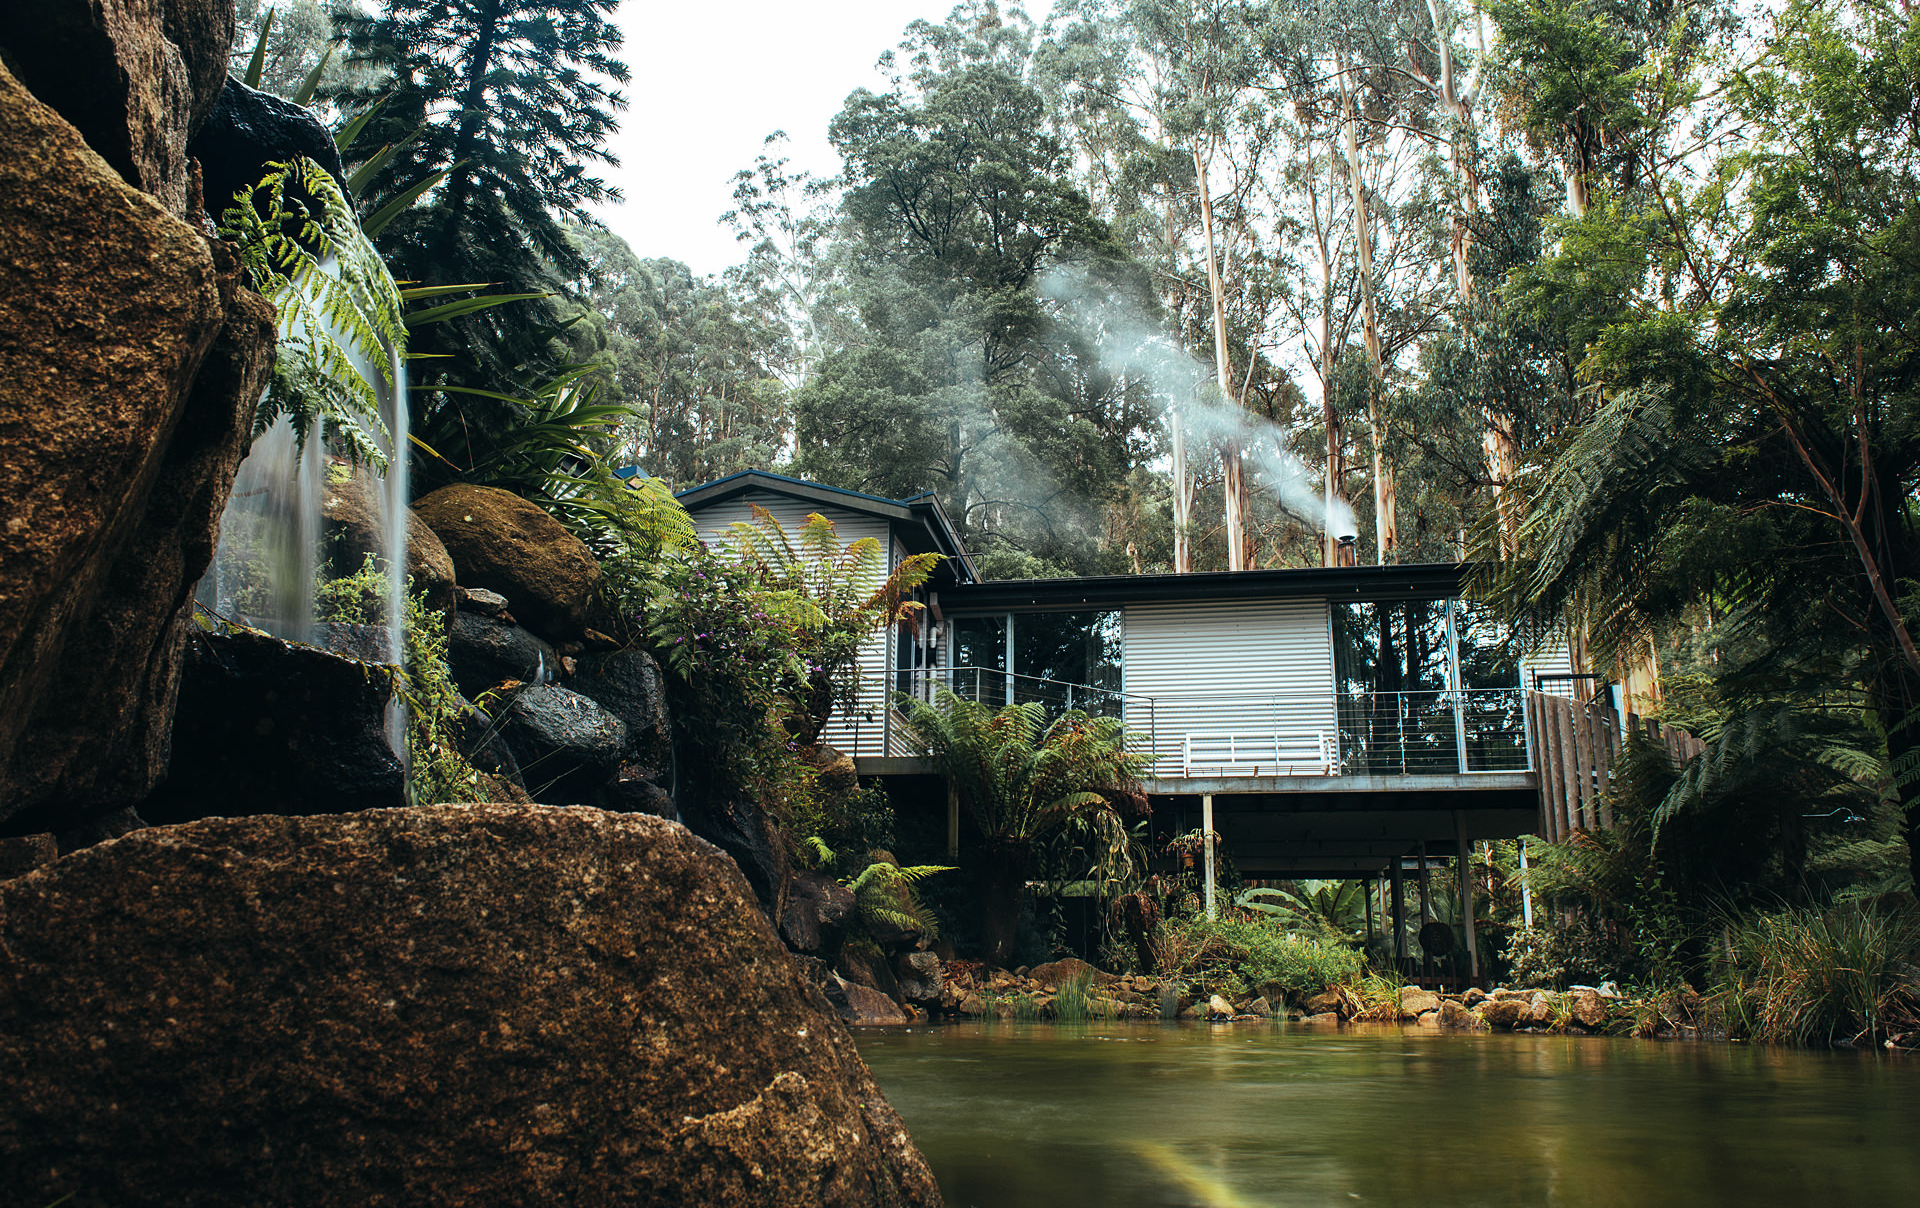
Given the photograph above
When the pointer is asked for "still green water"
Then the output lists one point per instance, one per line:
(1233, 1116)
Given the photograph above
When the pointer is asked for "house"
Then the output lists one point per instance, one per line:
(1349, 722)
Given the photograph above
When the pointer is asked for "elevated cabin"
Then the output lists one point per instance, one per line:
(1347, 722)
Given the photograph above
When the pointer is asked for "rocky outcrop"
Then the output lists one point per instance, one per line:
(481, 1005)
(130, 359)
(818, 907)
(503, 543)
(135, 78)
(272, 727)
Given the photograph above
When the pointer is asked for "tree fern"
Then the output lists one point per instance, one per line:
(336, 307)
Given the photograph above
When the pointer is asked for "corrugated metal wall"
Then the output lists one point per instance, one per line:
(1243, 667)
(860, 735)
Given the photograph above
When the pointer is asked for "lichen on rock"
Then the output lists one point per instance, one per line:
(459, 1005)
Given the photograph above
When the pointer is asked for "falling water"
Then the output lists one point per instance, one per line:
(267, 567)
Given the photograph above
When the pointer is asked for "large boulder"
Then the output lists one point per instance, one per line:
(627, 684)
(130, 362)
(459, 1005)
(136, 78)
(499, 541)
(272, 727)
(568, 747)
(249, 129)
(351, 520)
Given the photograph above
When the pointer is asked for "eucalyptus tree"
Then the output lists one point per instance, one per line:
(1161, 98)
(700, 362)
(1745, 298)
(498, 110)
(964, 380)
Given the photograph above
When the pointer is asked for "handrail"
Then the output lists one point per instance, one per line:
(1422, 732)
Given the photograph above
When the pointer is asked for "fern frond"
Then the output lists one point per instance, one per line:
(336, 307)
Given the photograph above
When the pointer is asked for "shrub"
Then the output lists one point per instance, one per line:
(1231, 956)
(1843, 975)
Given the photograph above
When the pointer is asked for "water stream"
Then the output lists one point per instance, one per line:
(271, 554)
(1272, 1116)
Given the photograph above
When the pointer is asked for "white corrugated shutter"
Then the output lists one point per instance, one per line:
(1247, 667)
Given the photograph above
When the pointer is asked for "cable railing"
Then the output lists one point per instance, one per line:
(1420, 733)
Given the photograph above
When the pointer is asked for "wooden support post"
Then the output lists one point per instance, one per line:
(1399, 887)
(1526, 888)
(1466, 893)
(1206, 829)
(1569, 765)
(1549, 765)
(1426, 902)
(953, 822)
(1607, 727)
(1366, 891)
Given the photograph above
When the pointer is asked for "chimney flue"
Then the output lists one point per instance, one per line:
(1344, 553)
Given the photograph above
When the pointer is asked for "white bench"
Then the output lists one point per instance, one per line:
(1277, 753)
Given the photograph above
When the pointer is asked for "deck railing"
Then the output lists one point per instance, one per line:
(1277, 734)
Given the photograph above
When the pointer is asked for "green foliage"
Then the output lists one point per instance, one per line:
(332, 320)
(1337, 906)
(703, 364)
(1847, 974)
(436, 770)
(1024, 780)
(1233, 955)
(359, 598)
(883, 889)
(1022, 777)
(508, 103)
(1746, 346)
(760, 638)
(837, 595)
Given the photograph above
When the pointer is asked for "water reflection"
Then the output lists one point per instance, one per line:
(1012, 1116)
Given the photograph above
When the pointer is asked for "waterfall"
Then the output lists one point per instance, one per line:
(271, 555)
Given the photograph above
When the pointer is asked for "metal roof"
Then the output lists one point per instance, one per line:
(1418, 581)
(922, 510)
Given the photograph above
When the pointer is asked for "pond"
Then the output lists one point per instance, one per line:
(1232, 1116)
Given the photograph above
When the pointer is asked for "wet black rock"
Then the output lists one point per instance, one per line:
(484, 746)
(638, 795)
(483, 652)
(270, 727)
(568, 747)
(627, 684)
(248, 130)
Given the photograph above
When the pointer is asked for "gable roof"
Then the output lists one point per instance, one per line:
(922, 524)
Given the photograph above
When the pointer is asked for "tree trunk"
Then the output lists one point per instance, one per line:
(1003, 891)
(1182, 496)
(1386, 532)
(1235, 480)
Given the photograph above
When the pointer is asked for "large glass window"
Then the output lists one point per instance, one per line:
(1066, 660)
(1426, 686)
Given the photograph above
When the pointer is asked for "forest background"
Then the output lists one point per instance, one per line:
(1613, 299)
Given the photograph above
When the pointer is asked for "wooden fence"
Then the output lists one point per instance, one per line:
(1576, 745)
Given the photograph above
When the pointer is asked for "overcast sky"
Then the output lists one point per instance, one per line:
(713, 78)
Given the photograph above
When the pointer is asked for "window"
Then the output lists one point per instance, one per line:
(1426, 686)
(1066, 660)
